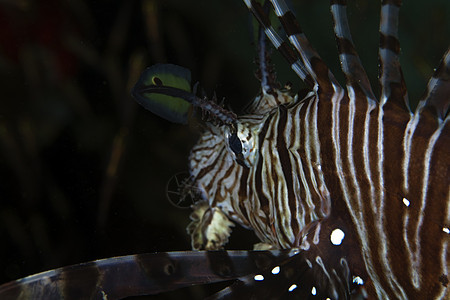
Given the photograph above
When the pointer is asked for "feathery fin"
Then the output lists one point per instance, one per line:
(393, 87)
(141, 274)
(164, 89)
(437, 97)
(351, 65)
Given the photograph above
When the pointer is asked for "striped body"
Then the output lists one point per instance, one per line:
(313, 172)
(340, 159)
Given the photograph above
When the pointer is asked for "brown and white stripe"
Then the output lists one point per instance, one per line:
(341, 159)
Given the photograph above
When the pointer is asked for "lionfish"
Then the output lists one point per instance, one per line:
(348, 194)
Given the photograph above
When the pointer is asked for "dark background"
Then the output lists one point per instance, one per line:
(83, 168)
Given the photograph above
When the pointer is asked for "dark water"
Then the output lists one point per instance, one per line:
(83, 169)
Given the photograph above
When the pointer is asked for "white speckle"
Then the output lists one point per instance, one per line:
(259, 277)
(337, 236)
(358, 280)
(294, 251)
(446, 230)
(309, 263)
(276, 270)
(319, 167)
(292, 287)
(104, 296)
(406, 202)
(313, 291)
(46, 280)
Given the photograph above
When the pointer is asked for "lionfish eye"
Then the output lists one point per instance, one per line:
(157, 81)
(235, 144)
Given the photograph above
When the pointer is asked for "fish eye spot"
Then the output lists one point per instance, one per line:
(235, 144)
(337, 236)
(313, 291)
(157, 81)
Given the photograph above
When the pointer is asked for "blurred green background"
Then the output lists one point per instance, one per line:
(83, 168)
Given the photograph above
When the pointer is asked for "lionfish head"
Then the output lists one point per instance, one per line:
(217, 163)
